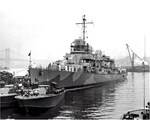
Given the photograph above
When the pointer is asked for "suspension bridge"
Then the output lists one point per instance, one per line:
(10, 58)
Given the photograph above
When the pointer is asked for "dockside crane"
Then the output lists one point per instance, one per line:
(133, 56)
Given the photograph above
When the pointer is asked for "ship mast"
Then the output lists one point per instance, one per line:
(84, 25)
(144, 68)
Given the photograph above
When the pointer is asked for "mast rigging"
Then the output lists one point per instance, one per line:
(84, 25)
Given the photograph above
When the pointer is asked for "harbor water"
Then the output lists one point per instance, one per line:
(110, 101)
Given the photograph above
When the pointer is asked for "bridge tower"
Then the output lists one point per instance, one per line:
(7, 57)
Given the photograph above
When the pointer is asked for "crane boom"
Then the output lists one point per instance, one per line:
(136, 54)
(129, 52)
(133, 54)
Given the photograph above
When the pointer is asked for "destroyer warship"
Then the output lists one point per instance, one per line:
(79, 68)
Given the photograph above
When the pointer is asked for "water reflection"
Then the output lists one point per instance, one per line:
(90, 103)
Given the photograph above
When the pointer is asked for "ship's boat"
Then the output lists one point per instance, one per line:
(7, 96)
(139, 114)
(42, 96)
(79, 68)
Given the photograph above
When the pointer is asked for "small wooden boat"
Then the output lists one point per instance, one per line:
(7, 96)
(41, 97)
(139, 114)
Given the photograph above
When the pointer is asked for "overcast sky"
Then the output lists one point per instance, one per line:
(47, 27)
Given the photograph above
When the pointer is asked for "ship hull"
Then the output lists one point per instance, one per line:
(72, 79)
(8, 100)
(40, 101)
(138, 70)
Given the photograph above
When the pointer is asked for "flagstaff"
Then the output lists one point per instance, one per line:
(29, 58)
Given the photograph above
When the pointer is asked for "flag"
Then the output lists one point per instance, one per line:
(29, 53)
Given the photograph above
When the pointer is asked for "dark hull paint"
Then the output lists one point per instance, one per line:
(46, 101)
(8, 100)
(137, 70)
(72, 79)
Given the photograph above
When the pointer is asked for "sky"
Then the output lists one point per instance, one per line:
(47, 27)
